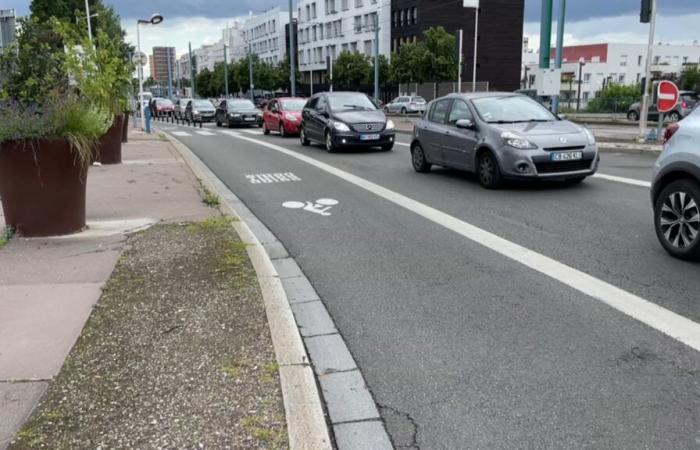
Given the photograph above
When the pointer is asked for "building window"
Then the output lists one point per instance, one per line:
(358, 3)
(308, 12)
(403, 18)
(313, 10)
(358, 24)
(621, 79)
(396, 19)
(585, 96)
(639, 60)
(586, 77)
(368, 48)
(623, 60)
(415, 15)
(344, 5)
(685, 60)
(657, 60)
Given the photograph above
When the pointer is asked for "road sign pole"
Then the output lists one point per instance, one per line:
(140, 72)
(376, 57)
(660, 126)
(292, 53)
(225, 72)
(476, 46)
(647, 75)
(250, 71)
(460, 37)
(560, 49)
(545, 33)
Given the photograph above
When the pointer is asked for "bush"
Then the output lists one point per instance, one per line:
(616, 98)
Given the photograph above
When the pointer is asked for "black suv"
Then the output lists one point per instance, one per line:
(345, 119)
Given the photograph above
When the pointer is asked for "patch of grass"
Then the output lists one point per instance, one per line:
(31, 435)
(269, 371)
(275, 438)
(5, 236)
(233, 369)
(162, 137)
(209, 198)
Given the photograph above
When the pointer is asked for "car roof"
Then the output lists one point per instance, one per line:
(473, 95)
(289, 98)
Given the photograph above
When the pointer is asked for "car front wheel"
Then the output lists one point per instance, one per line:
(302, 137)
(265, 129)
(674, 117)
(488, 171)
(330, 145)
(677, 219)
(632, 116)
(420, 164)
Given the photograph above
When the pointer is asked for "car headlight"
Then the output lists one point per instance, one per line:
(340, 126)
(195, 111)
(290, 117)
(589, 135)
(515, 141)
(390, 124)
(234, 115)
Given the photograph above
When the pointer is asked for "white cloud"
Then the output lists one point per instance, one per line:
(622, 29)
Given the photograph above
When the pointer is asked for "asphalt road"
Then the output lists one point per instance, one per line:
(464, 346)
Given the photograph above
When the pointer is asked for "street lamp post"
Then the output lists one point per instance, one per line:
(87, 16)
(154, 20)
(581, 63)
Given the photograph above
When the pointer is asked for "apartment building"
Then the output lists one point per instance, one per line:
(234, 38)
(162, 61)
(7, 27)
(264, 35)
(327, 27)
(602, 64)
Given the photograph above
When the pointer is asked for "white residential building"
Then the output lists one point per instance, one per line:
(209, 55)
(327, 27)
(234, 38)
(613, 63)
(265, 33)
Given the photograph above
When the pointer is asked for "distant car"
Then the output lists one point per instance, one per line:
(406, 104)
(180, 105)
(675, 190)
(499, 136)
(237, 112)
(686, 103)
(345, 119)
(161, 107)
(198, 110)
(283, 115)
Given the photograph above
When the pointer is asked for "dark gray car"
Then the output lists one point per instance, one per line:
(675, 191)
(500, 136)
(686, 103)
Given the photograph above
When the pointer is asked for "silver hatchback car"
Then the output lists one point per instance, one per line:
(675, 190)
(502, 136)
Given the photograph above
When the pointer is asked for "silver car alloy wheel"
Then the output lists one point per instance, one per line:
(680, 220)
(418, 158)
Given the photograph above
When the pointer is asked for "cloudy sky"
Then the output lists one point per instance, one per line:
(588, 21)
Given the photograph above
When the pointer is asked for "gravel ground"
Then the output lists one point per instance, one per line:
(176, 355)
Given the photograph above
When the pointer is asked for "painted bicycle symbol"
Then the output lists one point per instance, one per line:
(320, 206)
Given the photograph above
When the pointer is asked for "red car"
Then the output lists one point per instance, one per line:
(283, 115)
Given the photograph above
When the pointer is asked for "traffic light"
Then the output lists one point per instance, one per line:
(645, 14)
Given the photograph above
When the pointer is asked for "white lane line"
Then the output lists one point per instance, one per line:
(401, 143)
(205, 133)
(181, 133)
(651, 314)
(258, 132)
(631, 181)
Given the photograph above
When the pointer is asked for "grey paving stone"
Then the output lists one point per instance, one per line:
(329, 354)
(299, 289)
(287, 268)
(362, 436)
(313, 319)
(17, 400)
(347, 397)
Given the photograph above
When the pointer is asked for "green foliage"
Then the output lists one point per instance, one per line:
(615, 98)
(690, 78)
(439, 62)
(384, 70)
(351, 69)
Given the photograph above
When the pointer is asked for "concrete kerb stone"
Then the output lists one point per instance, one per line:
(286, 289)
(306, 423)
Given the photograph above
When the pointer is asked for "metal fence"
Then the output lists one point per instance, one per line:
(431, 91)
(619, 106)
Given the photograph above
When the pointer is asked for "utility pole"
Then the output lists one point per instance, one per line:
(460, 38)
(292, 53)
(545, 33)
(87, 16)
(192, 71)
(178, 77)
(311, 80)
(170, 77)
(647, 72)
(330, 68)
(225, 71)
(376, 57)
(580, 71)
(250, 71)
(476, 45)
(560, 49)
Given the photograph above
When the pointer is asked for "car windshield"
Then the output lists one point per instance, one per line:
(346, 102)
(164, 102)
(511, 109)
(241, 104)
(201, 104)
(418, 99)
(293, 105)
(690, 97)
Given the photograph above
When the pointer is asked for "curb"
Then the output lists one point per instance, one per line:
(306, 422)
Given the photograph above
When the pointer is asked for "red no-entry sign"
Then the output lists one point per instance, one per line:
(667, 96)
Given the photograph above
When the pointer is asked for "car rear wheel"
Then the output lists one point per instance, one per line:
(674, 117)
(265, 130)
(420, 164)
(488, 171)
(283, 133)
(632, 116)
(302, 137)
(677, 219)
(330, 145)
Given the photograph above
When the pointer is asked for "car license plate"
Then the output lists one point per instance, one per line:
(250, 119)
(566, 156)
(369, 137)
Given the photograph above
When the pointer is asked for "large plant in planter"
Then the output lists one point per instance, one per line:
(48, 129)
(100, 72)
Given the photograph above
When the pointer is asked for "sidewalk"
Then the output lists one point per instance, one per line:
(49, 286)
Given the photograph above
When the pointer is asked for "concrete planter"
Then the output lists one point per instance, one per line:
(125, 128)
(42, 186)
(109, 146)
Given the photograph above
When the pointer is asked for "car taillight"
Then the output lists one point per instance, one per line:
(684, 105)
(670, 131)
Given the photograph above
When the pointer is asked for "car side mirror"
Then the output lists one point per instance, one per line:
(464, 123)
(562, 116)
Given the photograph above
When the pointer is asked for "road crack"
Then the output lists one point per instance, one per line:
(403, 429)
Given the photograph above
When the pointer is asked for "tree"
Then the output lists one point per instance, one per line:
(204, 81)
(439, 60)
(690, 78)
(615, 98)
(282, 75)
(351, 69)
(384, 70)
